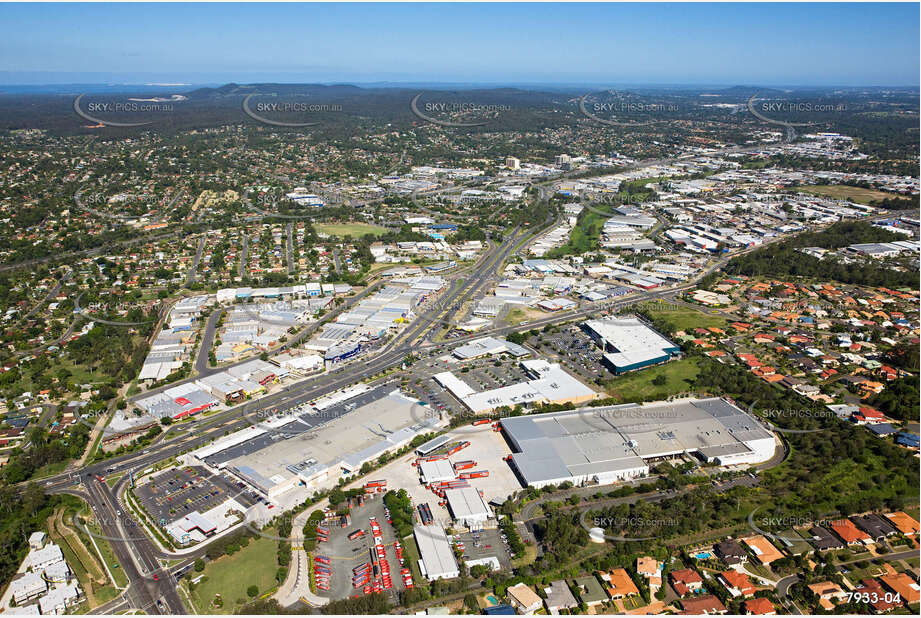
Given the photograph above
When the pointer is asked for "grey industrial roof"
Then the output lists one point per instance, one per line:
(597, 440)
(435, 550)
(467, 503)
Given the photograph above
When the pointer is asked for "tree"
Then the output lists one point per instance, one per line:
(199, 565)
(660, 380)
(252, 591)
(336, 497)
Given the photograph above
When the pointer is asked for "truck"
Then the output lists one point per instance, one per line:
(356, 534)
(481, 421)
(457, 447)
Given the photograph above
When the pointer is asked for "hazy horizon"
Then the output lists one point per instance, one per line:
(785, 45)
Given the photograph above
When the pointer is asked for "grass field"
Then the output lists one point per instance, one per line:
(518, 316)
(355, 230)
(582, 238)
(638, 386)
(844, 192)
(50, 469)
(230, 576)
(121, 580)
(683, 318)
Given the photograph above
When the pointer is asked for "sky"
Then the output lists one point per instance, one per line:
(516, 43)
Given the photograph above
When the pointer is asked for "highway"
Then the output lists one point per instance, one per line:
(143, 555)
(139, 556)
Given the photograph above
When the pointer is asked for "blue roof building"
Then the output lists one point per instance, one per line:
(907, 439)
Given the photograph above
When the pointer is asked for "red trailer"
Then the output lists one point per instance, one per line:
(457, 447)
(464, 465)
(481, 421)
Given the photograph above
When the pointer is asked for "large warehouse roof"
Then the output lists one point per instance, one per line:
(615, 440)
(634, 343)
(489, 346)
(437, 556)
(467, 505)
(554, 386)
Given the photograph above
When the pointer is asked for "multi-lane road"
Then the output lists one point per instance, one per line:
(152, 588)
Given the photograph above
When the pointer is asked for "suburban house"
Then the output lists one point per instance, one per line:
(523, 599)
(686, 581)
(736, 583)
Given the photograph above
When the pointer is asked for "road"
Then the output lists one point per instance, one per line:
(151, 588)
(207, 341)
(337, 262)
(143, 591)
(140, 556)
(289, 246)
(51, 294)
(106, 248)
(204, 369)
(244, 250)
(193, 270)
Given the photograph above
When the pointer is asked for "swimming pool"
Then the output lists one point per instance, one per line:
(703, 555)
(492, 600)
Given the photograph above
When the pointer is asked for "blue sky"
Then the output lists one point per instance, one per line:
(708, 44)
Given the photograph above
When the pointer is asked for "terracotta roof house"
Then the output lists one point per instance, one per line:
(707, 604)
(736, 583)
(849, 533)
(764, 550)
(621, 585)
(904, 523)
(686, 581)
(759, 607)
(903, 585)
(651, 569)
(877, 596)
(829, 593)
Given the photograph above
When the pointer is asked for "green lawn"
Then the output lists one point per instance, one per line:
(683, 318)
(50, 470)
(411, 557)
(638, 386)
(355, 230)
(844, 192)
(230, 576)
(582, 238)
(105, 549)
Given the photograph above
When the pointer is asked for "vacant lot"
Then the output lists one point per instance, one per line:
(844, 192)
(683, 318)
(355, 230)
(228, 577)
(638, 386)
